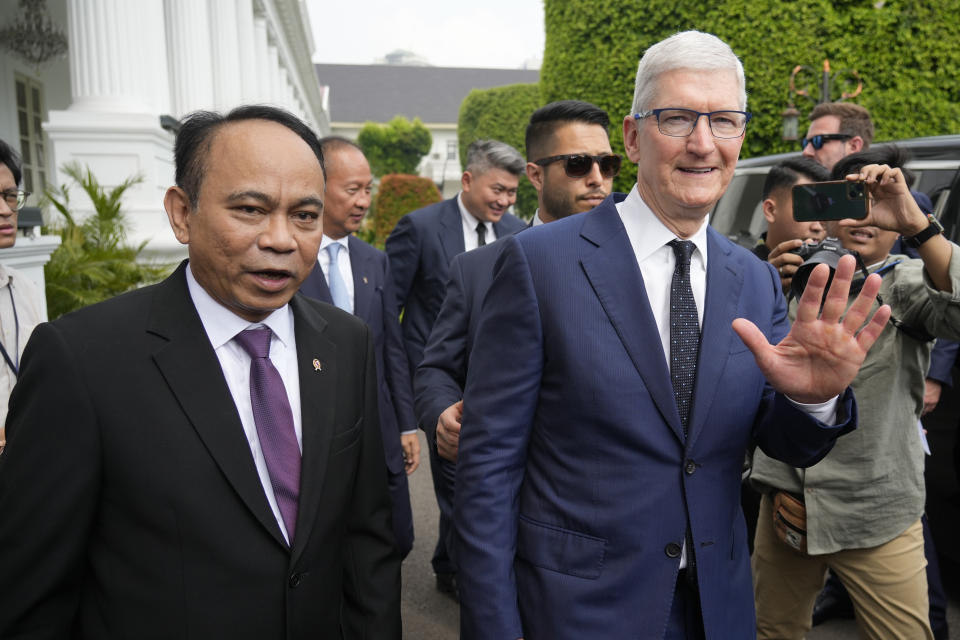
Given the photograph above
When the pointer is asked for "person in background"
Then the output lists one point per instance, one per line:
(21, 301)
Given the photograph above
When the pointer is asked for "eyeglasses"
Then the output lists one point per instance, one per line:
(818, 141)
(15, 198)
(679, 123)
(577, 165)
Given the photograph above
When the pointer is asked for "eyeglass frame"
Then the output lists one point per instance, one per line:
(543, 162)
(656, 112)
(824, 138)
(21, 196)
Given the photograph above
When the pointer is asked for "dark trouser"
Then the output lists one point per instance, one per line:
(686, 619)
(402, 513)
(444, 473)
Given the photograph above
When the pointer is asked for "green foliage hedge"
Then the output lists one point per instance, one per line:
(907, 53)
(397, 196)
(395, 147)
(501, 114)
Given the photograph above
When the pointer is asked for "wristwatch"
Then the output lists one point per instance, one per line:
(935, 228)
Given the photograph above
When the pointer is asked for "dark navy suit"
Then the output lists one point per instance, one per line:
(575, 481)
(421, 248)
(374, 304)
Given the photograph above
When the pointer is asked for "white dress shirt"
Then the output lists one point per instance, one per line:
(470, 227)
(343, 265)
(649, 237)
(537, 221)
(221, 326)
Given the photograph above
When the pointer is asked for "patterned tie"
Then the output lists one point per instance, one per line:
(338, 289)
(684, 331)
(481, 234)
(274, 420)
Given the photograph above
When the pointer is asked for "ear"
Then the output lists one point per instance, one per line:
(769, 210)
(178, 209)
(466, 181)
(631, 138)
(535, 175)
(856, 144)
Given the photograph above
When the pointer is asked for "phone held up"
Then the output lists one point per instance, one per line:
(833, 200)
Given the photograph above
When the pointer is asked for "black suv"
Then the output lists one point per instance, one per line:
(936, 163)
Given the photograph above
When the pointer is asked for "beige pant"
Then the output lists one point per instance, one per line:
(887, 584)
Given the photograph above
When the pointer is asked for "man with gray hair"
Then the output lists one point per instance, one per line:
(420, 249)
(621, 369)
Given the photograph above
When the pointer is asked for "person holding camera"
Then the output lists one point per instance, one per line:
(857, 512)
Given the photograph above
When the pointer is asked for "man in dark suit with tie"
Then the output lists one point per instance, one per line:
(421, 248)
(572, 167)
(355, 277)
(202, 457)
(621, 369)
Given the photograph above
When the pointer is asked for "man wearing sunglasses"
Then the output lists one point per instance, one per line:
(837, 129)
(599, 464)
(572, 167)
(20, 299)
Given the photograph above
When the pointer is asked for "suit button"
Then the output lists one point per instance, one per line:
(295, 580)
(672, 550)
(691, 467)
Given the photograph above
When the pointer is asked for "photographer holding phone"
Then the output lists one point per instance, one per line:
(858, 511)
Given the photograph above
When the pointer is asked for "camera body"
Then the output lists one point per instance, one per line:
(828, 252)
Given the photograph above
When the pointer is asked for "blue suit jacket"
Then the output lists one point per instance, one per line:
(575, 481)
(374, 304)
(421, 248)
(442, 373)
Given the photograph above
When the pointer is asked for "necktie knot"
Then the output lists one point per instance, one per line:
(334, 250)
(683, 250)
(255, 342)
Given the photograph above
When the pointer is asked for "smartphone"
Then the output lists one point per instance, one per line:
(834, 200)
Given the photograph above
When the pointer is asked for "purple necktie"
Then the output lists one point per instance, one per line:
(274, 420)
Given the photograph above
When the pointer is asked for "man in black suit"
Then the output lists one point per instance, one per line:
(572, 167)
(202, 457)
(358, 281)
(421, 248)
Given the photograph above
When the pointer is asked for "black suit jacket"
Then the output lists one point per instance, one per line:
(131, 504)
(421, 248)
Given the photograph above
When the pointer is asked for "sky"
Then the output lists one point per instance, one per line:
(492, 33)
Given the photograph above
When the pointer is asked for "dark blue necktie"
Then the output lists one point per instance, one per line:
(684, 331)
(481, 234)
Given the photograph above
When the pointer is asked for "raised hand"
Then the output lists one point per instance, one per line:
(823, 352)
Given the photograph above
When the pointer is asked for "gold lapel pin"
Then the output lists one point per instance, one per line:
(317, 366)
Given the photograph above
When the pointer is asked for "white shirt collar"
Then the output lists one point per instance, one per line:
(648, 234)
(537, 220)
(469, 219)
(222, 325)
(327, 241)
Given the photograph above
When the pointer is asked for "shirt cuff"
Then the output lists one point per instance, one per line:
(825, 412)
(405, 433)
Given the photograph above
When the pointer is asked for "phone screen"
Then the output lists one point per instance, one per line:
(834, 200)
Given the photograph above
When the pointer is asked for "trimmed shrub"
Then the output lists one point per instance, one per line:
(501, 113)
(397, 196)
(395, 147)
(907, 53)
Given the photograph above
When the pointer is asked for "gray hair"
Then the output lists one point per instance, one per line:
(685, 50)
(483, 155)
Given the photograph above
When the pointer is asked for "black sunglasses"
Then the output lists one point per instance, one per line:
(577, 165)
(818, 141)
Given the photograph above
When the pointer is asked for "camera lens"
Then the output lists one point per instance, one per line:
(855, 190)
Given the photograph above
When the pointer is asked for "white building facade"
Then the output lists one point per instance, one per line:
(133, 69)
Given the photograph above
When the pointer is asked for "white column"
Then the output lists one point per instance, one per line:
(103, 74)
(273, 71)
(155, 77)
(246, 36)
(262, 59)
(188, 46)
(225, 49)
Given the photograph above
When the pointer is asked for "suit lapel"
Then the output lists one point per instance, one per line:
(363, 281)
(451, 230)
(317, 367)
(315, 286)
(724, 284)
(611, 267)
(192, 371)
